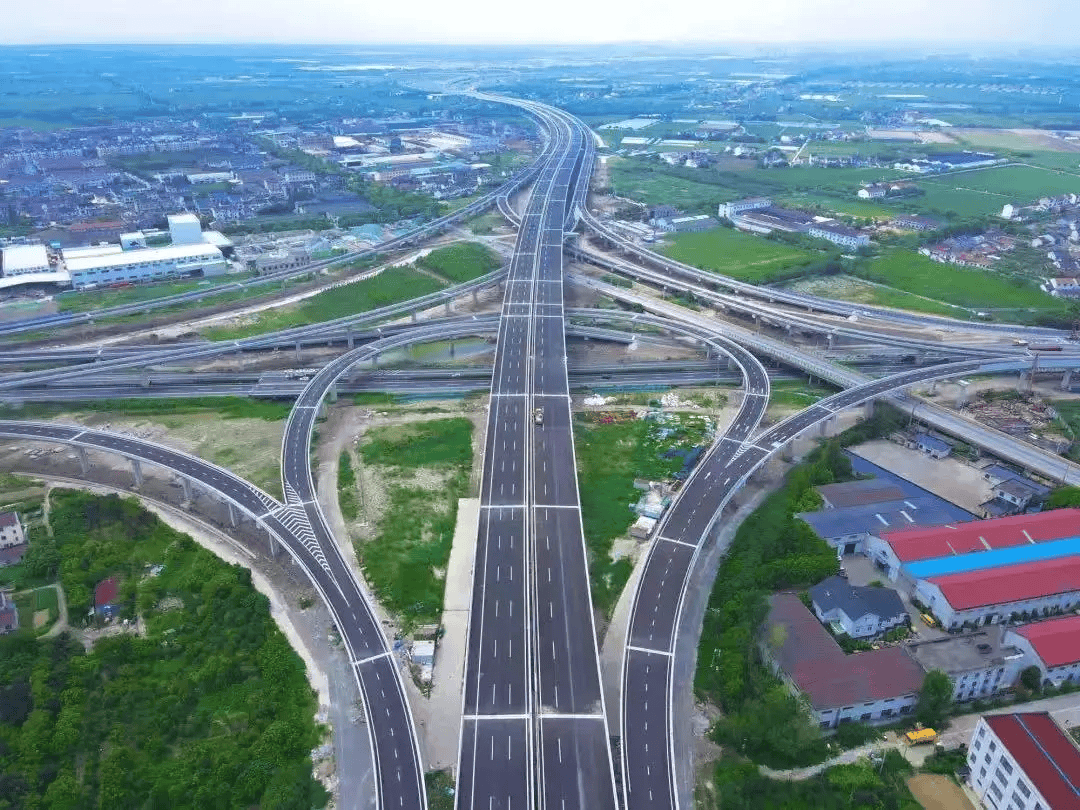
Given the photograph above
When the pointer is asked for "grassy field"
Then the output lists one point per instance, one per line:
(406, 562)
(741, 255)
(461, 262)
(656, 188)
(849, 288)
(30, 602)
(392, 286)
(609, 458)
(796, 394)
(1069, 413)
(961, 286)
(1021, 183)
(223, 407)
(99, 299)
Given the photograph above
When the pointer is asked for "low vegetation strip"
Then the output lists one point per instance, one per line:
(347, 498)
(425, 468)
(461, 262)
(392, 286)
(224, 407)
(204, 705)
(610, 455)
(772, 550)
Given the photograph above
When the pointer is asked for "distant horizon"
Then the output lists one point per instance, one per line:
(995, 24)
(911, 48)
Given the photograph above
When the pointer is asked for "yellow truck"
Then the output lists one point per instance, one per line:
(920, 735)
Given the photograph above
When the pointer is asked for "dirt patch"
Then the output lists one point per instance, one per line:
(936, 792)
(41, 618)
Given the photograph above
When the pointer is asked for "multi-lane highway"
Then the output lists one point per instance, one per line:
(534, 731)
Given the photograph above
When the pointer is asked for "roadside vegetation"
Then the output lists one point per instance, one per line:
(745, 256)
(224, 407)
(425, 468)
(460, 262)
(609, 457)
(348, 501)
(392, 286)
(773, 550)
(207, 707)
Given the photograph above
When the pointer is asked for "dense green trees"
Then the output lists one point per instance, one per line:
(210, 709)
(935, 699)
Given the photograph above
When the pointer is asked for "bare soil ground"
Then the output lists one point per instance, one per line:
(936, 792)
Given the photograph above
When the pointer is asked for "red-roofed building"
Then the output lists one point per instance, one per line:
(1024, 761)
(893, 549)
(105, 596)
(1053, 645)
(995, 594)
(864, 687)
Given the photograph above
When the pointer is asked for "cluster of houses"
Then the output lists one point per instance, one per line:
(991, 598)
(977, 250)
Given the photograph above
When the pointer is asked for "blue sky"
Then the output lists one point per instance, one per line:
(858, 22)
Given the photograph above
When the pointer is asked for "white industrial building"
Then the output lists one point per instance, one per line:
(733, 209)
(144, 265)
(21, 260)
(1024, 761)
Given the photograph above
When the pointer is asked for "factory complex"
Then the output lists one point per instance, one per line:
(185, 250)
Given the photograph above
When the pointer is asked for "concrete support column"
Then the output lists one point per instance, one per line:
(273, 544)
(830, 339)
(413, 316)
(146, 380)
(476, 296)
(349, 340)
(731, 366)
(933, 386)
(868, 409)
(136, 472)
(1066, 379)
(451, 348)
(233, 520)
(331, 393)
(449, 307)
(84, 461)
(823, 426)
(297, 348)
(787, 451)
(185, 484)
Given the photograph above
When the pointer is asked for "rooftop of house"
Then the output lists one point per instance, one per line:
(933, 442)
(837, 593)
(1013, 583)
(106, 591)
(980, 535)
(1050, 760)
(876, 518)
(1057, 641)
(813, 660)
(955, 654)
(861, 492)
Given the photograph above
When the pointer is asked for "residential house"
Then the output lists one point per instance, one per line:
(1024, 761)
(912, 222)
(106, 597)
(932, 446)
(9, 614)
(733, 209)
(858, 611)
(869, 687)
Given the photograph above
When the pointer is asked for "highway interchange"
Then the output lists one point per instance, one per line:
(535, 729)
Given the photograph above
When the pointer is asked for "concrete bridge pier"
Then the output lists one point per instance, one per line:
(476, 297)
(823, 426)
(331, 393)
(452, 351)
(830, 338)
(233, 518)
(412, 315)
(1066, 379)
(449, 307)
(962, 397)
(349, 339)
(273, 544)
(297, 351)
(84, 460)
(787, 451)
(146, 380)
(136, 472)
(185, 484)
(868, 409)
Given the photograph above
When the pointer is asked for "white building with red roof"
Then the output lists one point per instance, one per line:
(1024, 761)
(1053, 646)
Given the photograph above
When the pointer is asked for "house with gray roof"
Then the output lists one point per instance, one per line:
(860, 612)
